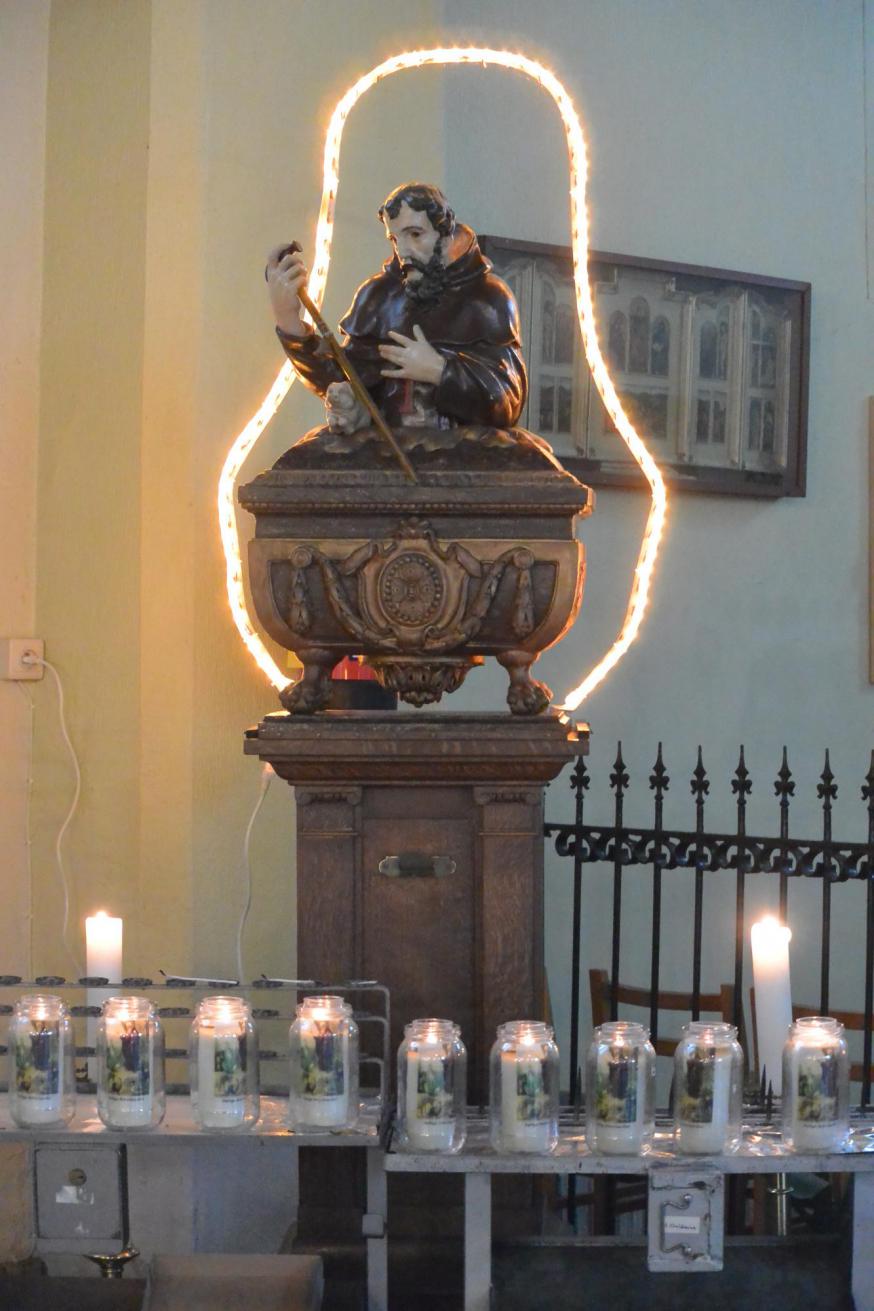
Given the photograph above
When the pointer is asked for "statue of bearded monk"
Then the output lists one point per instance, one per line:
(434, 336)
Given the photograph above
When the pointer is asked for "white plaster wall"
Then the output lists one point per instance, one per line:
(732, 136)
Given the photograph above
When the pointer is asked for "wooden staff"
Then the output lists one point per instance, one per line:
(351, 374)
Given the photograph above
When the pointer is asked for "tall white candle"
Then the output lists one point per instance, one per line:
(429, 1099)
(221, 1061)
(103, 960)
(770, 944)
(103, 942)
(521, 1132)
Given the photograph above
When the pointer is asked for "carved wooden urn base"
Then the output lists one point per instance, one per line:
(424, 579)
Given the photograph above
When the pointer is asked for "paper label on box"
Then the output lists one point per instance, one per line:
(682, 1224)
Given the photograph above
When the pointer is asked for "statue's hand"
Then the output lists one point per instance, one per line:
(343, 411)
(414, 357)
(286, 274)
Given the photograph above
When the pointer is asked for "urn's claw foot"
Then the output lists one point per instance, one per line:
(312, 691)
(525, 695)
(530, 697)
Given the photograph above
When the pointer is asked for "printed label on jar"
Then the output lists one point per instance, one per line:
(127, 1064)
(434, 1089)
(695, 1102)
(817, 1089)
(229, 1067)
(38, 1062)
(532, 1101)
(322, 1065)
(616, 1090)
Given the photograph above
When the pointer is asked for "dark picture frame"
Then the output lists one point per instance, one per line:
(711, 365)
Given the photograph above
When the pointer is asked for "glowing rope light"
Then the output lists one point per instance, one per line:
(241, 448)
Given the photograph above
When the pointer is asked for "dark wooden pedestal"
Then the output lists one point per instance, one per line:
(420, 864)
(420, 858)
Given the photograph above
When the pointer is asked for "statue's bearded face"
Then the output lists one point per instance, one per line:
(419, 248)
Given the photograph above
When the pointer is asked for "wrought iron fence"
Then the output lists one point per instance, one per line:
(826, 858)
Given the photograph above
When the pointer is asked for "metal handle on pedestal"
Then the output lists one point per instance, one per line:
(416, 865)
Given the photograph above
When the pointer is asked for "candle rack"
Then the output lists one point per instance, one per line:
(273, 1003)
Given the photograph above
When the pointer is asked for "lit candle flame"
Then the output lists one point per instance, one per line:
(242, 447)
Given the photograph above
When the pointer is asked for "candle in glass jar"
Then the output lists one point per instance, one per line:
(430, 1101)
(125, 1089)
(703, 1092)
(222, 1057)
(38, 1066)
(321, 1074)
(816, 1085)
(770, 944)
(525, 1113)
(620, 1074)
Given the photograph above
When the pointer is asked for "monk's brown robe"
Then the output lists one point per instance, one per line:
(474, 325)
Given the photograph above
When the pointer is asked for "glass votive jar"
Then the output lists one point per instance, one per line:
(323, 1046)
(620, 1089)
(816, 1085)
(432, 1087)
(42, 1049)
(223, 1065)
(524, 1088)
(130, 1064)
(708, 1088)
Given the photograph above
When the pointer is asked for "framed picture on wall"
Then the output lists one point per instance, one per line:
(711, 365)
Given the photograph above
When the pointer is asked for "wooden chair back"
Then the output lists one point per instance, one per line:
(709, 1003)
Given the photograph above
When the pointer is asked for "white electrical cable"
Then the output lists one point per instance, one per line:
(30, 659)
(266, 780)
(28, 840)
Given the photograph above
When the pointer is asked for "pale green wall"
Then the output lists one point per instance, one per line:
(726, 135)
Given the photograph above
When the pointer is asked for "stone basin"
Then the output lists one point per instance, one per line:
(478, 558)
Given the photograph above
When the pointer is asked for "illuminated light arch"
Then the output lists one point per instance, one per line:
(643, 571)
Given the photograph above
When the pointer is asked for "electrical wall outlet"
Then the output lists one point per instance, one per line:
(12, 658)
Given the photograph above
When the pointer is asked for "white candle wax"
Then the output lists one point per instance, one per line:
(129, 1099)
(709, 1137)
(40, 1072)
(327, 1105)
(103, 939)
(429, 1103)
(220, 1078)
(770, 944)
(518, 1133)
